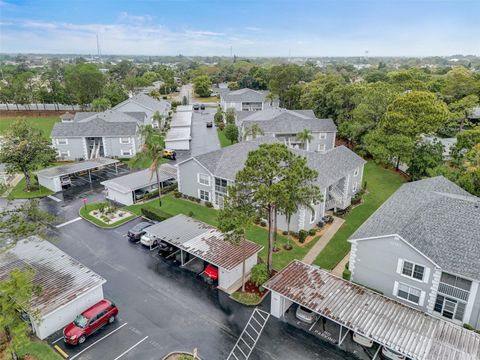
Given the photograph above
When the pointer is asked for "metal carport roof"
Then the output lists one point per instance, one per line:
(411, 332)
(72, 168)
(140, 179)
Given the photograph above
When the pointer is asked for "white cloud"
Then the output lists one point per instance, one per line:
(134, 19)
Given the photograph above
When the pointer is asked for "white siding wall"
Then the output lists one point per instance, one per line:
(52, 184)
(228, 278)
(278, 305)
(122, 198)
(66, 314)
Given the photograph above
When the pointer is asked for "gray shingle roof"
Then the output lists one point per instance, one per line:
(245, 94)
(79, 116)
(147, 102)
(283, 121)
(116, 116)
(438, 218)
(331, 165)
(95, 127)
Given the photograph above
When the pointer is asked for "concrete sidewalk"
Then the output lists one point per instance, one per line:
(323, 241)
(338, 270)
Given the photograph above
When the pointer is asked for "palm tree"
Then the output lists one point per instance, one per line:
(305, 137)
(152, 149)
(157, 117)
(253, 130)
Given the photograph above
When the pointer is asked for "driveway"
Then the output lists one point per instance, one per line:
(164, 308)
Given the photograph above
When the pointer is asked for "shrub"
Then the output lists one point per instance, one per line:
(151, 195)
(257, 220)
(312, 232)
(259, 274)
(190, 213)
(294, 234)
(177, 194)
(263, 223)
(347, 274)
(154, 214)
(302, 235)
(170, 188)
(208, 204)
(284, 232)
(328, 219)
(221, 126)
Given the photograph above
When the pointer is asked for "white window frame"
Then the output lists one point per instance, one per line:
(65, 152)
(413, 270)
(421, 295)
(357, 171)
(321, 147)
(61, 141)
(123, 152)
(204, 192)
(313, 216)
(129, 140)
(199, 177)
(322, 136)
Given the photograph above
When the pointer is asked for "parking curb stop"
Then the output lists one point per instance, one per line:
(60, 351)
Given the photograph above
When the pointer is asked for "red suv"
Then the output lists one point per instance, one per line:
(92, 319)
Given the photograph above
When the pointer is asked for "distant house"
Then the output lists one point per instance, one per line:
(475, 115)
(67, 117)
(447, 143)
(147, 104)
(244, 100)
(285, 125)
(92, 135)
(340, 173)
(422, 247)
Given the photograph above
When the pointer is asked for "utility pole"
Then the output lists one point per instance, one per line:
(99, 54)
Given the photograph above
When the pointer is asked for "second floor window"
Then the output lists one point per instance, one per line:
(409, 293)
(125, 140)
(204, 179)
(62, 141)
(221, 185)
(413, 270)
(323, 136)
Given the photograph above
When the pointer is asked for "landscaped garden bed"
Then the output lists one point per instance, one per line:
(105, 215)
(179, 355)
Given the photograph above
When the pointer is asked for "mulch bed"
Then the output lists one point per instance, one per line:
(250, 287)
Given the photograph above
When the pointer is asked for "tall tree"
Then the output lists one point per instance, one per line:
(230, 116)
(462, 108)
(253, 131)
(231, 133)
(25, 149)
(202, 86)
(263, 180)
(85, 82)
(305, 137)
(101, 104)
(426, 156)
(16, 292)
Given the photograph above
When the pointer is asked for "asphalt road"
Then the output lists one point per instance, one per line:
(164, 308)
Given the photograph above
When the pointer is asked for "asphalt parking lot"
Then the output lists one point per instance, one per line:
(163, 308)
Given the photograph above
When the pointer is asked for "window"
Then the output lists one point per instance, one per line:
(126, 152)
(204, 179)
(357, 171)
(125, 140)
(450, 308)
(221, 185)
(313, 216)
(204, 195)
(321, 147)
(219, 200)
(322, 136)
(413, 270)
(62, 141)
(458, 282)
(408, 293)
(64, 154)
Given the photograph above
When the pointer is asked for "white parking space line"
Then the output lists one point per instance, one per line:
(54, 198)
(68, 222)
(60, 338)
(130, 348)
(89, 346)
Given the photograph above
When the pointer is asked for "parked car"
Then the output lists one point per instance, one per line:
(209, 124)
(306, 315)
(65, 181)
(148, 240)
(165, 249)
(210, 274)
(135, 233)
(169, 154)
(362, 340)
(202, 107)
(391, 355)
(140, 194)
(196, 107)
(91, 320)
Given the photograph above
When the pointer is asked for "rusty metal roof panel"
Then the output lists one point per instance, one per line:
(61, 277)
(397, 326)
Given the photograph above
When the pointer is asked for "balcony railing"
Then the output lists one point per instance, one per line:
(338, 199)
(453, 291)
(221, 189)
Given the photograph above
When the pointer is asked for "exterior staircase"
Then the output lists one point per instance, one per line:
(249, 336)
(338, 199)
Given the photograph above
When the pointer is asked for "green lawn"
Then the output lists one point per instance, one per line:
(175, 206)
(40, 350)
(85, 210)
(223, 139)
(381, 183)
(45, 124)
(210, 99)
(20, 192)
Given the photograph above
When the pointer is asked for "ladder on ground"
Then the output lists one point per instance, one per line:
(249, 336)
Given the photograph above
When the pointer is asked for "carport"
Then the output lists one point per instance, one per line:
(123, 188)
(178, 138)
(68, 287)
(181, 119)
(199, 243)
(354, 308)
(56, 177)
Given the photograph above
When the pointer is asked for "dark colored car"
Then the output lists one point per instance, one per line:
(202, 107)
(91, 320)
(165, 249)
(196, 107)
(135, 233)
(209, 124)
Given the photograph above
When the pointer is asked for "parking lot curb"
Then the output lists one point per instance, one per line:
(60, 351)
(181, 353)
(107, 227)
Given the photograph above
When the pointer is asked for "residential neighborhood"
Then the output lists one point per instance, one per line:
(230, 203)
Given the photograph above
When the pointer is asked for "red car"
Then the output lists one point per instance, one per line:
(92, 319)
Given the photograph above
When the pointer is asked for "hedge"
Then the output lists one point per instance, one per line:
(154, 213)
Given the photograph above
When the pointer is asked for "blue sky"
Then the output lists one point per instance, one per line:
(251, 28)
